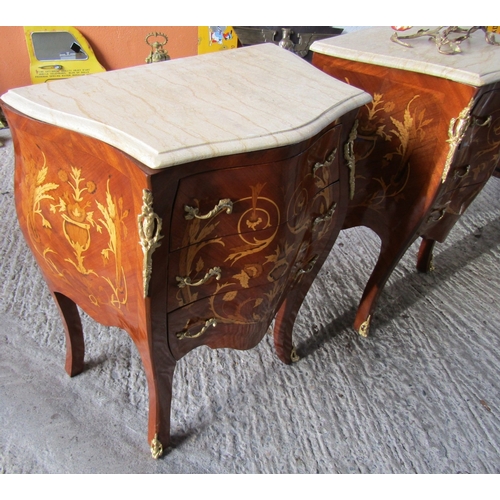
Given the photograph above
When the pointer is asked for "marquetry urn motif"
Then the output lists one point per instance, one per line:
(63, 200)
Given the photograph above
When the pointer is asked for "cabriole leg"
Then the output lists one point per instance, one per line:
(75, 345)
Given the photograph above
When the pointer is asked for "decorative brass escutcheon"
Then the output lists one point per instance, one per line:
(224, 204)
(186, 280)
(156, 448)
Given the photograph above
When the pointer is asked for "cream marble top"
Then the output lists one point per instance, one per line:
(198, 107)
(477, 65)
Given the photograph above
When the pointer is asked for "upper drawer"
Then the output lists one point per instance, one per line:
(245, 260)
(246, 199)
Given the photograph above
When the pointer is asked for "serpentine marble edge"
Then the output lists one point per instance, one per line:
(198, 107)
(477, 65)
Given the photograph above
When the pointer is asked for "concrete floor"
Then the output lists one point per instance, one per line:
(420, 395)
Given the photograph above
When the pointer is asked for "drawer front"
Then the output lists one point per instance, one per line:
(237, 319)
(247, 199)
(446, 213)
(478, 153)
(230, 263)
(249, 259)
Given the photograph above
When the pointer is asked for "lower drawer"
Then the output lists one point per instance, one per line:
(447, 211)
(237, 319)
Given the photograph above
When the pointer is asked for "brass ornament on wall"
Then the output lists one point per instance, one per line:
(157, 53)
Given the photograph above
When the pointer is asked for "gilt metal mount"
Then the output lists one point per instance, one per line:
(149, 225)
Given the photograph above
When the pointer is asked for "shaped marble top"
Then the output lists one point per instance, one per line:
(478, 64)
(198, 107)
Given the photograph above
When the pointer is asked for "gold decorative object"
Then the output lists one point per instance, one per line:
(309, 267)
(149, 234)
(446, 38)
(156, 448)
(351, 160)
(157, 53)
(185, 335)
(460, 175)
(327, 163)
(365, 327)
(325, 217)
(224, 204)
(456, 131)
(186, 281)
(431, 265)
(294, 356)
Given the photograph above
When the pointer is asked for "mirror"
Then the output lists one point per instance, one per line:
(57, 46)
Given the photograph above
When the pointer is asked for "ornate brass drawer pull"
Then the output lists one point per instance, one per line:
(475, 122)
(460, 175)
(224, 204)
(309, 267)
(325, 217)
(433, 218)
(185, 335)
(328, 162)
(186, 281)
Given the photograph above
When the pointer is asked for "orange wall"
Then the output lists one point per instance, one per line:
(114, 46)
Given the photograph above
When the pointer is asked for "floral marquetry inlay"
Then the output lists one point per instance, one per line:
(92, 220)
(396, 135)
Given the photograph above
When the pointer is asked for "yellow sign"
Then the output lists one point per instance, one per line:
(493, 29)
(58, 52)
(214, 38)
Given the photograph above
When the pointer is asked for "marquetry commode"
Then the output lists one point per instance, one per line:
(425, 145)
(188, 202)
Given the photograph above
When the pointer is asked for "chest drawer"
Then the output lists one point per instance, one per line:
(249, 259)
(445, 213)
(478, 153)
(229, 263)
(233, 319)
(245, 199)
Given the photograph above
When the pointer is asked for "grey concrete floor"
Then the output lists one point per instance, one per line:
(420, 395)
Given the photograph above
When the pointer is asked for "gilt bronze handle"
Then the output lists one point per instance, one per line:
(224, 204)
(309, 267)
(325, 217)
(186, 281)
(328, 162)
(476, 122)
(185, 335)
(461, 175)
